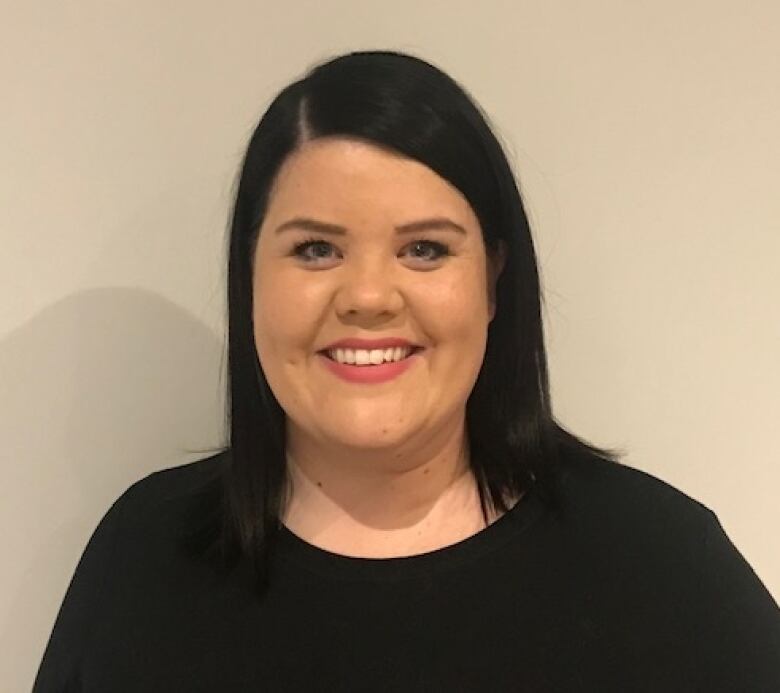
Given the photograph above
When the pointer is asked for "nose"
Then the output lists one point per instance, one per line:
(368, 286)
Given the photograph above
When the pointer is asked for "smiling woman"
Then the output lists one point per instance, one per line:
(349, 438)
(398, 508)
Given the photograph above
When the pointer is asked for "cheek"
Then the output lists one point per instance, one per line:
(269, 314)
(459, 306)
(464, 320)
(284, 315)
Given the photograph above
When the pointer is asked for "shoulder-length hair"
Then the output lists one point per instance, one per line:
(403, 103)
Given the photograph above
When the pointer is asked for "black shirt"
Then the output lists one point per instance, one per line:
(635, 588)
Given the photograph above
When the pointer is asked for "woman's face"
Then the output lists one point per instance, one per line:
(369, 282)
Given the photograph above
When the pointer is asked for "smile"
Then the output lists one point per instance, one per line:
(370, 372)
(370, 357)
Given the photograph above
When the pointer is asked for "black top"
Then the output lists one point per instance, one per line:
(635, 587)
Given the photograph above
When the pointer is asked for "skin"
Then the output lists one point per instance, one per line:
(376, 470)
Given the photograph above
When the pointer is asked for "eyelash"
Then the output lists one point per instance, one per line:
(442, 248)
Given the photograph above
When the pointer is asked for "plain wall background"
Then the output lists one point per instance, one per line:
(646, 140)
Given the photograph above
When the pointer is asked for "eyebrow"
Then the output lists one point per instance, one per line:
(433, 224)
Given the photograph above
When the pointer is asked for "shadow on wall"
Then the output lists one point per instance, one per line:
(98, 390)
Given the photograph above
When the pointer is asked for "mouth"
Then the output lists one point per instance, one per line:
(365, 372)
(411, 351)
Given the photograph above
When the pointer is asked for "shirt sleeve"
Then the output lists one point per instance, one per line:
(60, 667)
(739, 636)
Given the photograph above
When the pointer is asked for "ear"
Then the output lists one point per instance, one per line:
(496, 263)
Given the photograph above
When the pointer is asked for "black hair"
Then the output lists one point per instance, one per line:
(401, 103)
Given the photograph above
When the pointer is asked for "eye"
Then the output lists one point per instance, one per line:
(441, 249)
(299, 250)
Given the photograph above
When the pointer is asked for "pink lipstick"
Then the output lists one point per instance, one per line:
(370, 373)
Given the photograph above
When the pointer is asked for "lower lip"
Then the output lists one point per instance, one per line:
(370, 374)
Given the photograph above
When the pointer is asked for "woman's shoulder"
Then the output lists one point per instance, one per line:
(634, 522)
(180, 480)
(168, 496)
(631, 497)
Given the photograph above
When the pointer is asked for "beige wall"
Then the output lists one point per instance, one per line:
(646, 138)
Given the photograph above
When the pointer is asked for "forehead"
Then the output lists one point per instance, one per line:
(340, 176)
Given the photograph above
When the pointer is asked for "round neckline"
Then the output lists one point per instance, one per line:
(295, 550)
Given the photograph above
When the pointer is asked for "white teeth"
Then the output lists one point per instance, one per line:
(363, 357)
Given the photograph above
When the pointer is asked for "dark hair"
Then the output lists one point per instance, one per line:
(402, 103)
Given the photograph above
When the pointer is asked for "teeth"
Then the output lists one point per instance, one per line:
(363, 357)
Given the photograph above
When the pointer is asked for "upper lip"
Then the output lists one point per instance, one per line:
(357, 343)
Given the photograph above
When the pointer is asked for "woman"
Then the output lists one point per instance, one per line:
(398, 509)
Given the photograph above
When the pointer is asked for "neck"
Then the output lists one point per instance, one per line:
(384, 505)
